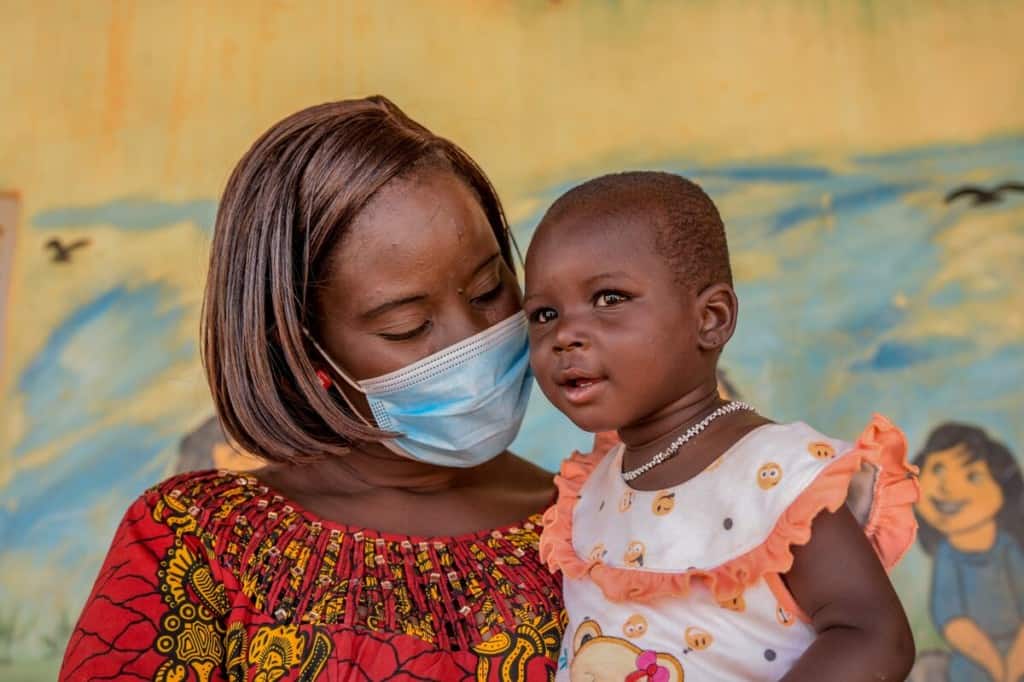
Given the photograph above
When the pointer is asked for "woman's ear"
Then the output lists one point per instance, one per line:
(717, 308)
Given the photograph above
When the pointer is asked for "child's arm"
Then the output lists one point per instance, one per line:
(837, 580)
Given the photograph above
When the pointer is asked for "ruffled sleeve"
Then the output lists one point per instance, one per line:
(889, 524)
(555, 547)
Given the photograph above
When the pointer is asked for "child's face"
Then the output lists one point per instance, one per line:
(613, 334)
(957, 495)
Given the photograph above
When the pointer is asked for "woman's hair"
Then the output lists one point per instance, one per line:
(1001, 464)
(286, 206)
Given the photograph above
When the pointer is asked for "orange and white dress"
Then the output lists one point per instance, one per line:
(684, 583)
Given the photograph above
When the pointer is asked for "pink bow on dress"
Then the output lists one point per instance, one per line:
(647, 668)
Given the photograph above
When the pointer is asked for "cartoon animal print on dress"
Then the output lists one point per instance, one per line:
(601, 658)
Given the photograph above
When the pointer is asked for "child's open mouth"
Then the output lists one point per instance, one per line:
(579, 387)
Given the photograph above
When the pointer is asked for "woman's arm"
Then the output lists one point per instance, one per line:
(139, 614)
(838, 581)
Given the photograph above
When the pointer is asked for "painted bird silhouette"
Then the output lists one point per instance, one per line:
(62, 252)
(981, 195)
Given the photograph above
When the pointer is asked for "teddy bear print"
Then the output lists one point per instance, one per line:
(601, 658)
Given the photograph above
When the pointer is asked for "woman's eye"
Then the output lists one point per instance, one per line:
(938, 469)
(405, 336)
(543, 315)
(975, 477)
(609, 298)
(489, 296)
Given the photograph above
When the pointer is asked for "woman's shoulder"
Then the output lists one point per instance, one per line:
(191, 494)
(193, 481)
(229, 513)
(250, 555)
(203, 495)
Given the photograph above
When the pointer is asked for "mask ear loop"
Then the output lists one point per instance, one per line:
(343, 375)
(389, 444)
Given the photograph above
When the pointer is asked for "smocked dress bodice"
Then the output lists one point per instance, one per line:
(685, 582)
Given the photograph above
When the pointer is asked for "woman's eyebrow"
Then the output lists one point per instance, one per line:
(391, 305)
(490, 259)
(379, 310)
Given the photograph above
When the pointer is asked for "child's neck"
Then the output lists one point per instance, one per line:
(654, 432)
(643, 440)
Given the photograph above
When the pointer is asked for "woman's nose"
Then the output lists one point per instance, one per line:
(463, 322)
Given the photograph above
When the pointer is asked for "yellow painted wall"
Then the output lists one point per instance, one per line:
(109, 99)
(153, 102)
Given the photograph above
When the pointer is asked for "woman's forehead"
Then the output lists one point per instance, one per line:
(425, 212)
(416, 233)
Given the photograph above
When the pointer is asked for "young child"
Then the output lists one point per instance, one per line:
(705, 542)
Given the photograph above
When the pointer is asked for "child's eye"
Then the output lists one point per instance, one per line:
(975, 477)
(543, 315)
(489, 296)
(609, 298)
(405, 336)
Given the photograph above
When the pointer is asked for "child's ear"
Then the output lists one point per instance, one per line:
(717, 308)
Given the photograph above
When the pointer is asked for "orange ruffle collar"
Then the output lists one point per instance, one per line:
(890, 525)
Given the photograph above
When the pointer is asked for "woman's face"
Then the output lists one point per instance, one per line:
(957, 495)
(419, 270)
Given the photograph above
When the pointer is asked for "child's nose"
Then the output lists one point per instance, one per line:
(571, 345)
(569, 335)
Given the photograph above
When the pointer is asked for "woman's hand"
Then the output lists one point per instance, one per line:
(838, 581)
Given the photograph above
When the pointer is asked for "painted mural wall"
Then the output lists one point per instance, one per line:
(868, 159)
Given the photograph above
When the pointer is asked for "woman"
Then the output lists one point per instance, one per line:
(362, 334)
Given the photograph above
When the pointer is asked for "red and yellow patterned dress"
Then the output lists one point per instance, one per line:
(211, 576)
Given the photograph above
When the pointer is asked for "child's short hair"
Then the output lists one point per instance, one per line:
(689, 233)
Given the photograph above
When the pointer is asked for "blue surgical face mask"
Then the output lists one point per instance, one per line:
(458, 407)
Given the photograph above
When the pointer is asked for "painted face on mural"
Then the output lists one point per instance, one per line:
(613, 334)
(957, 495)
